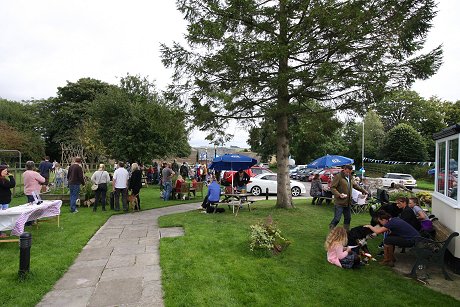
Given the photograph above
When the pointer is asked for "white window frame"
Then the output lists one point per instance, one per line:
(443, 196)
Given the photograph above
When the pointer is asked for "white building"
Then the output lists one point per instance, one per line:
(445, 203)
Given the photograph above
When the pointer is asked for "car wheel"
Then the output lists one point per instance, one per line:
(295, 191)
(256, 191)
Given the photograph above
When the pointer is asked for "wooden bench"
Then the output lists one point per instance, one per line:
(432, 252)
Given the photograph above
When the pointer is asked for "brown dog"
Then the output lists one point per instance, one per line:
(132, 200)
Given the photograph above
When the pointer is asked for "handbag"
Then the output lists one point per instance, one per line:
(95, 186)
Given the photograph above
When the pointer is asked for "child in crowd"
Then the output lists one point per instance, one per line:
(337, 253)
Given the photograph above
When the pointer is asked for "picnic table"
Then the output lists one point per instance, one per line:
(236, 200)
(15, 218)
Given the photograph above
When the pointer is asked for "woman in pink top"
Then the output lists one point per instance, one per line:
(337, 253)
(32, 181)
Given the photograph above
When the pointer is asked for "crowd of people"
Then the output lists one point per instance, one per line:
(401, 225)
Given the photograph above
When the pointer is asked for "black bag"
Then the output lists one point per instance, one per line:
(112, 200)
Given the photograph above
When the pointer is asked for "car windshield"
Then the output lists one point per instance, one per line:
(407, 177)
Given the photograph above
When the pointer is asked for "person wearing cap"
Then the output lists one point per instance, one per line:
(75, 178)
(101, 178)
(6, 183)
(342, 186)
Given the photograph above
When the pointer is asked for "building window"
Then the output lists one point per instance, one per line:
(440, 167)
(453, 169)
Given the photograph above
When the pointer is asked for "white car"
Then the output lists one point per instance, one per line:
(260, 183)
(397, 178)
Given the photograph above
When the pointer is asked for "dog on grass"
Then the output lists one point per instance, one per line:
(358, 236)
(132, 201)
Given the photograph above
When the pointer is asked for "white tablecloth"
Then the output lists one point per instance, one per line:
(14, 218)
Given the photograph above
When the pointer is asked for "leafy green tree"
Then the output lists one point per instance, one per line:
(29, 144)
(452, 115)
(267, 59)
(404, 143)
(62, 117)
(136, 125)
(426, 116)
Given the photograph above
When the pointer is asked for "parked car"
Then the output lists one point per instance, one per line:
(304, 173)
(327, 174)
(260, 183)
(397, 178)
(257, 170)
(294, 170)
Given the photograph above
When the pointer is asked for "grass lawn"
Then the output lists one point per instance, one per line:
(54, 249)
(213, 266)
(424, 184)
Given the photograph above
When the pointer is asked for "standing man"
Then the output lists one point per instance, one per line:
(184, 170)
(120, 186)
(45, 167)
(342, 186)
(167, 173)
(175, 166)
(75, 179)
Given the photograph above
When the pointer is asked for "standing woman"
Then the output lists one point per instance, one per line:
(135, 182)
(32, 181)
(6, 183)
(101, 178)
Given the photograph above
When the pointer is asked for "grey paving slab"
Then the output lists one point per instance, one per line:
(70, 298)
(123, 242)
(117, 292)
(134, 234)
(121, 261)
(120, 264)
(152, 273)
(90, 263)
(122, 272)
(90, 253)
(80, 277)
(128, 250)
(147, 259)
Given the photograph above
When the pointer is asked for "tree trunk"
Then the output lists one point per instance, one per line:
(284, 197)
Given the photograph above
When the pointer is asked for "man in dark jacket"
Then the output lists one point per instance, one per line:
(342, 187)
(45, 167)
(75, 179)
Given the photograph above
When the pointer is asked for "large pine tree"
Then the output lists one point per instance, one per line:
(249, 59)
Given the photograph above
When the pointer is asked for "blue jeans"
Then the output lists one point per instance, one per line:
(59, 182)
(167, 190)
(74, 192)
(339, 210)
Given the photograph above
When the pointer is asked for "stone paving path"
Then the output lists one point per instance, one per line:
(120, 265)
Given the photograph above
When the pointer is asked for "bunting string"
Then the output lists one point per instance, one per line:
(396, 162)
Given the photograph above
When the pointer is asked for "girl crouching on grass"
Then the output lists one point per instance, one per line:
(337, 253)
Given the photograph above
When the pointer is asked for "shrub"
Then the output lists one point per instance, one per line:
(266, 236)
(424, 198)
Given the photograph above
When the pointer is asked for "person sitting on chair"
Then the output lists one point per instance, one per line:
(240, 180)
(212, 197)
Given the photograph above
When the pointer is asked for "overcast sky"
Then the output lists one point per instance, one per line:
(45, 43)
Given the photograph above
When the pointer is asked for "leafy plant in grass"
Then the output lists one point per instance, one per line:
(267, 237)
